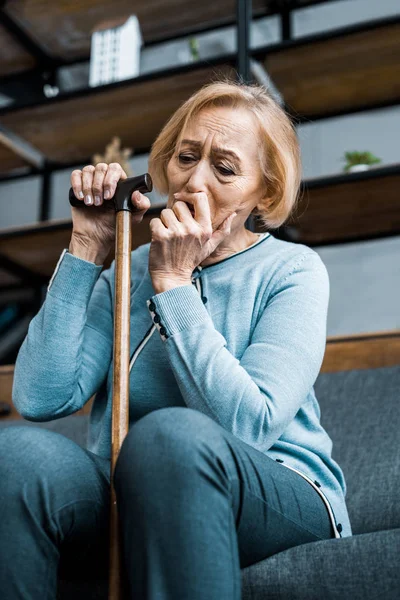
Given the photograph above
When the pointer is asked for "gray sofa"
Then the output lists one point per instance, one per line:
(360, 409)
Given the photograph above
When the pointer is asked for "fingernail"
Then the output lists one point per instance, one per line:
(176, 195)
(106, 194)
(81, 195)
(97, 200)
(88, 200)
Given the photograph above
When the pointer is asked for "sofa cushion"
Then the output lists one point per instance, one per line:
(360, 567)
(360, 412)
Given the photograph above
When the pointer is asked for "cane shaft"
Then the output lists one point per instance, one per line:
(120, 399)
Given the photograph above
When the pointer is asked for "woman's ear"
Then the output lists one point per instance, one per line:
(262, 205)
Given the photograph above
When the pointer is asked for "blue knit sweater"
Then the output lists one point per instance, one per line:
(244, 344)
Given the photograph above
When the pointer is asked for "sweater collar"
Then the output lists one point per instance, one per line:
(262, 237)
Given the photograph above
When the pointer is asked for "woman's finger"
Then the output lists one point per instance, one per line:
(157, 228)
(140, 201)
(182, 211)
(114, 173)
(76, 183)
(169, 219)
(199, 200)
(87, 180)
(98, 181)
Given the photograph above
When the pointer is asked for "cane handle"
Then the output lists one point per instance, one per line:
(123, 192)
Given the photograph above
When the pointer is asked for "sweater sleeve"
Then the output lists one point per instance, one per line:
(66, 353)
(257, 397)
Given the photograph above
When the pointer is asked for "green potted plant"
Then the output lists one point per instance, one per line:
(194, 49)
(359, 161)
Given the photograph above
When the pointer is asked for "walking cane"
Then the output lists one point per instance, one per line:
(120, 395)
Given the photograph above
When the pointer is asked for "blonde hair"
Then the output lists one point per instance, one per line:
(278, 147)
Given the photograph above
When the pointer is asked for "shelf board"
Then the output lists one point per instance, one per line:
(14, 59)
(317, 78)
(65, 33)
(66, 30)
(38, 247)
(348, 207)
(81, 125)
(362, 351)
(338, 72)
(10, 161)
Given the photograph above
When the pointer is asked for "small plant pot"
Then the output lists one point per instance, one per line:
(357, 168)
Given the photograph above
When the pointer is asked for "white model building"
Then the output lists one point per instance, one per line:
(115, 51)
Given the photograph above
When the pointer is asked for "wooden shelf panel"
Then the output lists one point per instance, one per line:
(338, 74)
(37, 251)
(38, 248)
(365, 351)
(6, 382)
(316, 78)
(14, 59)
(9, 160)
(81, 126)
(65, 31)
(360, 207)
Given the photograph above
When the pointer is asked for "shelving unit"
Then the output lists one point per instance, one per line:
(84, 121)
(344, 71)
(64, 36)
(343, 208)
(319, 76)
(340, 72)
(29, 254)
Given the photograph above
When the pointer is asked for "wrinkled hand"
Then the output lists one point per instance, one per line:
(180, 242)
(95, 224)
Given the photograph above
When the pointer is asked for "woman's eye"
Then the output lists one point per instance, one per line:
(225, 171)
(182, 158)
(186, 159)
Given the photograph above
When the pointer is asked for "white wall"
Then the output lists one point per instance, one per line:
(19, 202)
(341, 13)
(364, 286)
(323, 143)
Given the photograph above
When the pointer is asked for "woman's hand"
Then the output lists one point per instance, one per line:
(180, 242)
(94, 224)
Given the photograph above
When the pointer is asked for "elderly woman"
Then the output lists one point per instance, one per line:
(226, 462)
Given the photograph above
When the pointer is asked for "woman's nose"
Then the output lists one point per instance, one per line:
(198, 178)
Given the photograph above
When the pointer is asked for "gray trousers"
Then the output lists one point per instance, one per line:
(196, 504)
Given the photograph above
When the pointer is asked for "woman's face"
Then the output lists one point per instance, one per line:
(204, 163)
